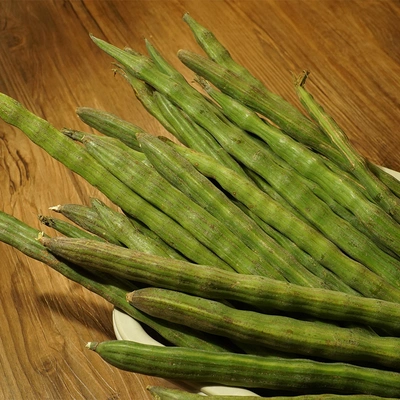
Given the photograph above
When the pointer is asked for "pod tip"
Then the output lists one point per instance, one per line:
(55, 208)
(42, 239)
(91, 345)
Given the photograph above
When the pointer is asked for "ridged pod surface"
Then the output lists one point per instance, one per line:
(247, 371)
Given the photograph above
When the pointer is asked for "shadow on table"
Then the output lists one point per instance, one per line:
(82, 309)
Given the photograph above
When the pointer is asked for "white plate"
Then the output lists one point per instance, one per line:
(126, 328)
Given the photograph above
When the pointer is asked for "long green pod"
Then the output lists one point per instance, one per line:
(282, 144)
(72, 231)
(110, 125)
(149, 64)
(311, 166)
(220, 55)
(280, 111)
(87, 218)
(67, 229)
(344, 212)
(193, 135)
(184, 176)
(80, 136)
(271, 192)
(314, 188)
(353, 273)
(144, 93)
(125, 232)
(78, 160)
(27, 240)
(246, 150)
(377, 190)
(268, 189)
(167, 114)
(162, 63)
(242, 370)
(142, 68)
(350, 179)
(339, 231)
(118, 224)
(285, 116)
(210, 282)
(139, 226)
(143, 85)
(210, 231)
(332, 281)
(112, 288)
(165, 393)
(251, 95)
(276, 332)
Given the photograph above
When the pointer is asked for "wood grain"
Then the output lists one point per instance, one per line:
(48, 63)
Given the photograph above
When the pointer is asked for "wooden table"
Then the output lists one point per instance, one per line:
(49, 63)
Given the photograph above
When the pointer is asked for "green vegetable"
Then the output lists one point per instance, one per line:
(77, 159)
(79, 136)
(229, 226)
(125, 232)
(249, 152)
(110, 125)
(388, 179)
(172, 118)
(87, 218)
(359, 168)
(331, 280)
(185, 177)
(283, 114)
(193, 135)
(144, 93)
(125, 162)
(271, 192)
(249, 371)
(143, 87)
(152, 236)
(237, 81)
(210, 231)
(311, 166)
(162, 64)
(210, 282)
(67, 228)
(276, 332)
(356, 275)
(274, 107)
(293, 123)
(112, 288)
